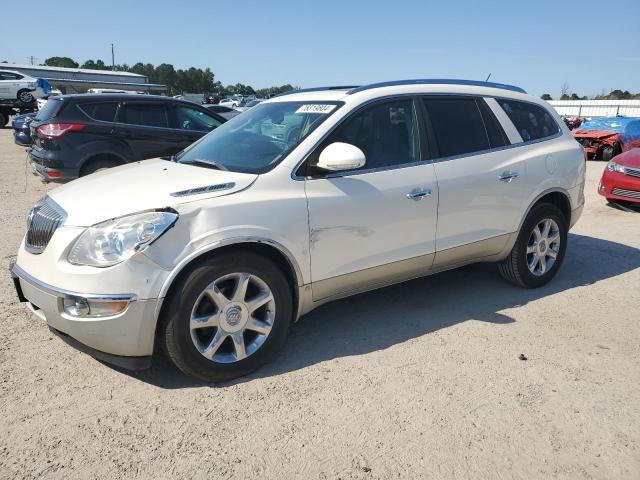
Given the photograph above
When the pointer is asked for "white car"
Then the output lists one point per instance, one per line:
(17, 86)
(231, 102)
(303, 199)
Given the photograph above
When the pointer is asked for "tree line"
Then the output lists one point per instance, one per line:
(190, 80)
(613, 95)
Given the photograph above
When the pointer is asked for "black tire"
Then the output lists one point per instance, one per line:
(93, 166)
(4, 119)
(174, 330)
(25, 96)
(606, 153)
(514, 268)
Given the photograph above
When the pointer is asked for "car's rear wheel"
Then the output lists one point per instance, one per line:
(539, 249)
(25, 96)
(227, 317)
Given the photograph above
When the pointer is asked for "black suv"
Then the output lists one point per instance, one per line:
(75, 135)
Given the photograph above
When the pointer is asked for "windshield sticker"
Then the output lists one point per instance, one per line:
(316, 108)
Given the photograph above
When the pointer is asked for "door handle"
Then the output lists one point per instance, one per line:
(417, 194)
(508, 176)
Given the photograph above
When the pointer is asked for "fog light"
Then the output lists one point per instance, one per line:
(82, 307)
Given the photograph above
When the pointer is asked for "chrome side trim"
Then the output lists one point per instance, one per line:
(61, 293)
(471, 251)
(356, 109)
(372, 277)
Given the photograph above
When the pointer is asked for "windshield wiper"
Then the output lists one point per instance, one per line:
(205, 164)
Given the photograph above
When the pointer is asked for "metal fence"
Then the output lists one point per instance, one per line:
(597, 108)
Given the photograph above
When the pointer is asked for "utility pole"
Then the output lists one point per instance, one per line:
(32, 59)
(113, 59)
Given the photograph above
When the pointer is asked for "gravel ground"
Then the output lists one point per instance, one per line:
(419, 380)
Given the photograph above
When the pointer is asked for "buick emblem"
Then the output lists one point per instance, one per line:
(234, 315)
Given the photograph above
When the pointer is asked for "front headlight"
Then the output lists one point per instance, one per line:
(614, 167)
(111, 242)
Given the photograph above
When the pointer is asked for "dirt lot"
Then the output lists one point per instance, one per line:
(420, 380)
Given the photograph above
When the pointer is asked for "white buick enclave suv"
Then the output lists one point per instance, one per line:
(305, 198)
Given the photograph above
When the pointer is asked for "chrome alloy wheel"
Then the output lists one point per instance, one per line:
(543, 247)
(232, 317)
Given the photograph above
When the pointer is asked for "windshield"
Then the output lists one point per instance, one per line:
(260, 138)
(49, 110)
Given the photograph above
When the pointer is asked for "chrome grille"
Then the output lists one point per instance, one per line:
(43, 220)
(634, 172)
(621, 192)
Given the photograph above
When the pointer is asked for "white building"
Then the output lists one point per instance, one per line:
(597, 108)
(79, 80)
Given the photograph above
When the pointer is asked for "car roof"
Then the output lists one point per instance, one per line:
(122, 96)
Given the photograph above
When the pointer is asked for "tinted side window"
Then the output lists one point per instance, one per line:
(387, 134)
(457, 124)
(193, 119)
(532, 121)
(105, 112)
(495, 132)
(147, 114)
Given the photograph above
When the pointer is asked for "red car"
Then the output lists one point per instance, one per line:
(621, 178)
(605, 138)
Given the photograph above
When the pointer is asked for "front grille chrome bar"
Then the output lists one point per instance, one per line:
(43, 220)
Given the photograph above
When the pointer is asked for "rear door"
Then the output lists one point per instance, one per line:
(481, 183)
(193, 123)
(146, 128)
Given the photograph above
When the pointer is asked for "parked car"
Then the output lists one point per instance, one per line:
(226, 112)
(604, 138)
(621, 179)
(232, 102)
(21, 130)
(75, 135)
(17, 86)
(249, 104)
(211, 257)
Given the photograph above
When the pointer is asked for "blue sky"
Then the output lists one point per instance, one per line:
(539, 45)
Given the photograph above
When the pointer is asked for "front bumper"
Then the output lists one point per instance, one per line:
(618, 186)
(125, 339)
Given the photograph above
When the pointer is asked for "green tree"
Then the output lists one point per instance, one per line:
(97, 65)
(60, 62)
(546, 96)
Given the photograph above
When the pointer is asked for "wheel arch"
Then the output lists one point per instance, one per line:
(556, 196)
(269, 248)
(101, 156)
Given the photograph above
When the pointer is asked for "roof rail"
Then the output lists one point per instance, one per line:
(318, 89)
(436, 81)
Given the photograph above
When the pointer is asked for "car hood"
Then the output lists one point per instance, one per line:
(579, 133)
(630, 158)
(140, 186)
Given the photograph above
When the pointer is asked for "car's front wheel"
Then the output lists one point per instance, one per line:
(539, 249)
(227, 316)
(25, 96)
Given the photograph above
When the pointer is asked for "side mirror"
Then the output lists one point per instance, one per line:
(341, 156)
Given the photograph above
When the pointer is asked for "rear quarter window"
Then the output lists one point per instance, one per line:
(104, 112)
(532, 121)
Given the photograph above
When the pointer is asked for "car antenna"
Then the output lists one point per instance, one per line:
(488, 77)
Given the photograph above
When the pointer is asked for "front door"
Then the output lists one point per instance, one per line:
(375, 225)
